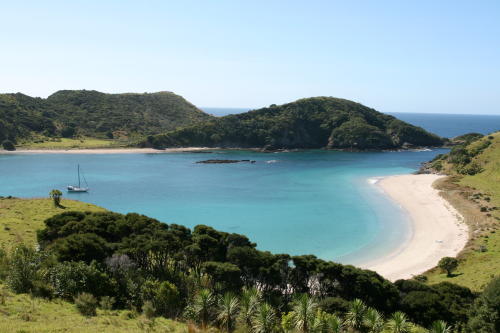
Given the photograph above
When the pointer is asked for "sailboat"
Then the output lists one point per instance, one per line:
(79, 188)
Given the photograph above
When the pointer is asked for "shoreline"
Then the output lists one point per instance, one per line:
(437, 229)
(105, 151)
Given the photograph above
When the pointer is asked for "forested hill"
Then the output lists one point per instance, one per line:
(319, 122)
(70, 113)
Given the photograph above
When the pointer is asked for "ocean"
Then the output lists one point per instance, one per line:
(309, 202)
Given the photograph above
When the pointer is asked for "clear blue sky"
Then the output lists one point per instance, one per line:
(395, 56)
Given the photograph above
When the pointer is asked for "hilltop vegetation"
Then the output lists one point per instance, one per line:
(132, 264)
(88, 113)
(474, 189)
(320, 122)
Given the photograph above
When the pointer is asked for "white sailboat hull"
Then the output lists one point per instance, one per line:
(77, 189)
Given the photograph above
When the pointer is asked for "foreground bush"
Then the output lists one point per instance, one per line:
(86, 304)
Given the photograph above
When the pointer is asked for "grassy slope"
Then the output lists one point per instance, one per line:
(19, 220)
(468, 194)
(64, 143)
(21, 313)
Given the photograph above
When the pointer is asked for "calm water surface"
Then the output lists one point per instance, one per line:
(315, 202)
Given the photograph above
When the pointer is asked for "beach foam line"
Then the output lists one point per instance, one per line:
(438, 229)
(374, 180)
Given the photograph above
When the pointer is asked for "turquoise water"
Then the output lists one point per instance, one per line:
(317, 202)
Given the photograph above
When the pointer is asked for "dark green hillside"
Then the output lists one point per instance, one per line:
(72, 113)
(132, 262)
(319, 122)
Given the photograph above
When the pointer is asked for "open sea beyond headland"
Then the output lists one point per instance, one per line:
(308, 202)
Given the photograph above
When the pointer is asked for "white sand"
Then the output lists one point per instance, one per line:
(438, 229)
(105, 151)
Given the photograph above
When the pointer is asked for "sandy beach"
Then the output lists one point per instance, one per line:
(106, 151)
(438, 229)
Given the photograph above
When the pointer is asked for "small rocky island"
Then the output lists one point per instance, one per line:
(224, 161)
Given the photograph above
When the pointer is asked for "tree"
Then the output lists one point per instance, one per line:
(228, 311)
(448, 264)
(439, 326)
(373, 321)
(398, 323)
(334, 324)
(250, 299)
(304, 311)
(264, 320)
(203, 307)
(355, 315)
(8, 145)
(56, 197)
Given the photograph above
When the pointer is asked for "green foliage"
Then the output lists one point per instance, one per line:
(448, 264)
(264, 320)
(24, 266)
(426, 304)
(8, 145)
(227, 273)
(163, 295)
(81, 247)
(485, 314)
(398, 323)
(106, 303)
(86, 304)
(468, 138)
(228, 312)
(56, 197)
(148, 309)
(202, 308)
(355, 316)
(307, 123)
(142, 260)
(72, 278)
(439, 326)
(304, 310)
(70, 113)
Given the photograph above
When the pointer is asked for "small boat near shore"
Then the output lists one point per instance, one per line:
(79, 188)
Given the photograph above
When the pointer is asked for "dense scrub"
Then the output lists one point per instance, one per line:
(307, 123)
(72, 113)
(216, 278)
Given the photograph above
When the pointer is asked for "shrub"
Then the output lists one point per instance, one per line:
(86, 304)
(4, 264)
(8, 145)
(164, 297)
(23, 269)
(107, 302)
(72, 278)
(485, 313)
(148, 309)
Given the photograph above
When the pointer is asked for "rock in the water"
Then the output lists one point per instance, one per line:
(224, 161)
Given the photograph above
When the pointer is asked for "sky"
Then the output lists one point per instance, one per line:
(394, 56)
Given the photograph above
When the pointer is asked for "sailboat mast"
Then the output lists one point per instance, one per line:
(78, 175)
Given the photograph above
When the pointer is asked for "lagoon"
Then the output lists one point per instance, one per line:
(308, 202)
